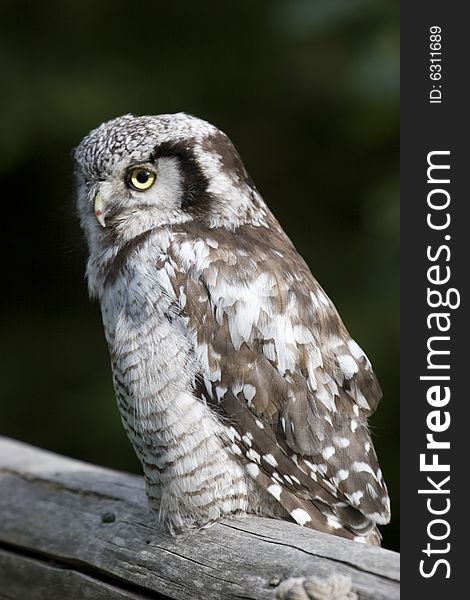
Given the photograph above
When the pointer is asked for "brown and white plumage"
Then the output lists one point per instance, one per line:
(237, 382)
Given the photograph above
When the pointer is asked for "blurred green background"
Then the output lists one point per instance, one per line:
(308, 92)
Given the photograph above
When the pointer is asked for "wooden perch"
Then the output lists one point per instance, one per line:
(71, 530)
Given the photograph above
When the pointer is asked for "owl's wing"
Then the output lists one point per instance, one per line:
(277, 362)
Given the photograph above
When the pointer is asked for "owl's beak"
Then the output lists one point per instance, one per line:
(99, 209)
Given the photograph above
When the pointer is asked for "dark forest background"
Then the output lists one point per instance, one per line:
(308, 92)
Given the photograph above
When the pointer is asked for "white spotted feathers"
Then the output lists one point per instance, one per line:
(237, 382)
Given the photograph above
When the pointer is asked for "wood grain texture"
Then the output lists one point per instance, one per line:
(74, 530)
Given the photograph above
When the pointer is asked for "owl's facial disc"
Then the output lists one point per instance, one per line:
(136, 179)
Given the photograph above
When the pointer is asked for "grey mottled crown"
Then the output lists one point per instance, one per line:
(134, 137)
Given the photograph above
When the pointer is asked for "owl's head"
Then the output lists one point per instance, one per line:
(138, 173)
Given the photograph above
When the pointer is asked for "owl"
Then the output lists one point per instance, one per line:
(238, 385)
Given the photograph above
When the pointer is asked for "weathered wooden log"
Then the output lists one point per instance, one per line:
(71, 530)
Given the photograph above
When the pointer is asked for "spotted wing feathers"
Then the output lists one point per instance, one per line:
(280, 368)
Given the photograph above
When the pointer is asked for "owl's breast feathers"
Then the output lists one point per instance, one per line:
(277, 366)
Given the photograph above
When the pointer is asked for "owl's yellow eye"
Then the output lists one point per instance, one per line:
(141, 179)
